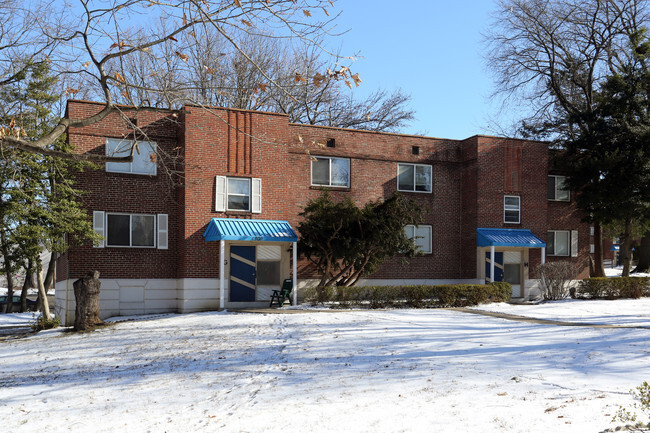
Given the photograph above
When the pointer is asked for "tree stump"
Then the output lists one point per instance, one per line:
(86, 293)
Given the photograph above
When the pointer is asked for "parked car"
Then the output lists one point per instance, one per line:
(31, 305)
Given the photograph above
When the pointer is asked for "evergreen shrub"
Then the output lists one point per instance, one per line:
(613, 288)
(412, 296)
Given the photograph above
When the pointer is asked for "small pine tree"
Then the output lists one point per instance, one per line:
(345, 242)
(38, 201)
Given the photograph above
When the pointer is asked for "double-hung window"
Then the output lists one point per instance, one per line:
(562, 243)
(414, 178)
(144, 156)
(557, 243)
(131, 230)
(327, 171)
(238, 194)
(512, 209)
(421, 235)
(557, 189)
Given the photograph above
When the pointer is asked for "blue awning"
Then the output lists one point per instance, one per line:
(508, 238)
(229, 229)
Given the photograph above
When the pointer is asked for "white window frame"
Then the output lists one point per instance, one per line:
(416, 232)
(329, 185)
(254, 194)
(511, 208)
(233, 194)
(556, 189)
(415, 169)
(568, 239)
(131, 215)
(146, 148)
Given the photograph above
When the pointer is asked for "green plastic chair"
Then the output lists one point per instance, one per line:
(284, 294)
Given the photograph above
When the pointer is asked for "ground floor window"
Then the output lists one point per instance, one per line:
(130, 230)
(558, 243)
(422, 237)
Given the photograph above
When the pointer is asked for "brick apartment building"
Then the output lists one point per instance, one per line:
(216, 204)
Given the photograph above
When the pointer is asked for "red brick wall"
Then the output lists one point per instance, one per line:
(118, 192)
(373, 166)
(230, 143)
(470, 179)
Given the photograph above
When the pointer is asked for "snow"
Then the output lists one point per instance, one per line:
(17, 319)
(621, 312)
(354, 371)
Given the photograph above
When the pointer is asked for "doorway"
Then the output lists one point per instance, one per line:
(243, 273)
(255, 271)
(512, 271)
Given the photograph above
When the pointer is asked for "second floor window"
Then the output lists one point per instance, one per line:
(512, 209)
(414, 177)
(238, 194)
(557, 190)
(144, 161)
(326, 171)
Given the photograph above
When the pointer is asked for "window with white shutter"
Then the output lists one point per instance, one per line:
(241, 194)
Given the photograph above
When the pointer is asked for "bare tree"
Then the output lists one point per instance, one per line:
(93, 43)
(219, 77)
(551, 56)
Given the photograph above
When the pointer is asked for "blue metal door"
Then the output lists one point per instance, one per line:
(498, 266)
(242, 273)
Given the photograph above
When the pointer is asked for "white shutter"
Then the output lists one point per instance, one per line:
(256, 195)
(163, 232)
(574, 243)
(220, 196)
(98, 226)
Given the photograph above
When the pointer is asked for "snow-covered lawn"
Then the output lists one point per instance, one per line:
(352, 371)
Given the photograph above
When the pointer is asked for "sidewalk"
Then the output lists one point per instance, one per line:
(538, 321)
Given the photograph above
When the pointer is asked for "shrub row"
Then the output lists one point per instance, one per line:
(457, 295)
(612, 288)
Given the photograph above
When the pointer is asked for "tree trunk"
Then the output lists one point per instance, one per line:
(86, 293)
(626, 248)
(8, 272)
(599, 268)
(10, 287)
(41, 291)
(49, 275)
(644, 255)
(27, 284)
